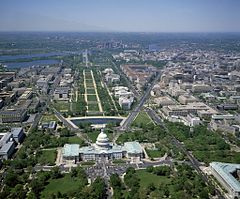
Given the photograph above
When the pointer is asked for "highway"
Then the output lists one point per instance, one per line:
(194, 162)
(142, 100)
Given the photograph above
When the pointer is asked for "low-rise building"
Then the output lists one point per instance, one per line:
(52, 125)
(190, 120)
(185, 99)
(164, 101)
(125, 103)
(11, 116)
(18, 134)
(62, 93)
(227, 107)
(108, 71)
(112, 78)
(175, 92)
(227, 174)
(201, 88)
(26, 95)
(197, 108)
(7, 150)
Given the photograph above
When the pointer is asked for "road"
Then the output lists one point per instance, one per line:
(194, 162)
(137, 109)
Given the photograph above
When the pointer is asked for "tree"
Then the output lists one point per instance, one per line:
(151, 187)
(11, 179)
(55, 173)
(203, 194)
(115, 181)
(18, 192)
(74, 172)
(98, 188)
(37, 186)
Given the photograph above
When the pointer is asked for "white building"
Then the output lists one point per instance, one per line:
(103, 150)
(125, 103)
(227, 174)
(112, 78)
(108, 71)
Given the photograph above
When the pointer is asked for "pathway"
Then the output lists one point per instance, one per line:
(85, 87)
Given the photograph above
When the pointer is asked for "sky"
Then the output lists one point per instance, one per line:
(120, 15)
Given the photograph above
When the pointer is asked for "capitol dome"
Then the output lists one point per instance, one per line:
(102, 140)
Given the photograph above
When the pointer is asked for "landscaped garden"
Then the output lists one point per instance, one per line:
(142, 119)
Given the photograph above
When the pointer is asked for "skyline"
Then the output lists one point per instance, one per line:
(123, 16)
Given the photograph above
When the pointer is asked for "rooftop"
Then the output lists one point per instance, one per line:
(71, 150)
(16, 131)
(225, 170)
(6, 147)
(133, 147)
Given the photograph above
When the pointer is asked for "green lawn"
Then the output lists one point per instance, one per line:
(90, 91)
(93, 107)
(146, 178)
(154, 153)
(93, 135)
(62, 106)
(92, 98)
(89, 80)
(118, 161)
(47, 157)
(63, 185)
(88, 76)
(48, 118)
(75, 140)
(89, 85)
(142, 119)
(88, 163)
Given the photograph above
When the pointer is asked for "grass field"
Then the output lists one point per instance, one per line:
(119, 162)
(63, 185)
(88, 163)
(92, 98)
(142, 119)
(89, 85)
(146, 178)
(48, 118)
(47, 157)
(93, 136)
(154, 153)
(89, 80)
(75, 140)
(93, 107)
(90, 91)
(62, 106)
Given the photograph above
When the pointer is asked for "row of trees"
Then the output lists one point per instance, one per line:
(207, 146)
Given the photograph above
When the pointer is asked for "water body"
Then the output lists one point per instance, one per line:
(31, 63)
(97, 121)
(29, 56)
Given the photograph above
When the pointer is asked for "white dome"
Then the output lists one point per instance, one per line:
(102, 140)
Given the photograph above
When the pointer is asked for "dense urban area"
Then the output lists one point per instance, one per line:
(119, 115)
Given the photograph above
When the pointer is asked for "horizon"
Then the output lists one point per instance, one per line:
(112, 16)
(141, 32)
